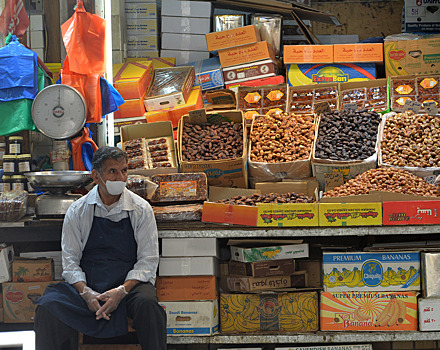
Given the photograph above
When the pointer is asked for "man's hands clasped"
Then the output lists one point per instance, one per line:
(111, 299)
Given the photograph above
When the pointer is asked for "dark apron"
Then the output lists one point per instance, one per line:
(110, 253)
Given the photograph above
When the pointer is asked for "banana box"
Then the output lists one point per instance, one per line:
(429, 314)
(332, 347)
(364, 271)
(274, 312)
(368, 311)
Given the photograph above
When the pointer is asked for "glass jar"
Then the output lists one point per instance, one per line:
(18, 182)
(5, 184)
(10, 164)
(15, 144)
(2, 150)
(24, 163)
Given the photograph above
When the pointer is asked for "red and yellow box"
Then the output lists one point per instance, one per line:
(350, 214)
(411, 213)
(248, 53)
(347, 53)
(132, 79)
(232, 37)
(308, 54)
(195, 101)
(158, 62)
(130, 108)
(368, 311)
(179, 288)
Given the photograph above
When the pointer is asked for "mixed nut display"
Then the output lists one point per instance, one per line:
(252, 200)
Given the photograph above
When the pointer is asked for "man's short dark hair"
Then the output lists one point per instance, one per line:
(104, 153)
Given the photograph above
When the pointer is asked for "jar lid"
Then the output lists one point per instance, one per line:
(17, 177)
(26, 155)
(9, 157)
(15, 138)
(5, 177)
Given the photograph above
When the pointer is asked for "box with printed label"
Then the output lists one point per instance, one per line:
(56, 257)
(158, 62)
(232, 37)
(371, 271)
(347, 53)
(368, 311)
(308, 54)
(421, 16)
(183, 41)
(269, 252)
(331, 347)
(32, 270)
(208, 73)
(258, 284)
(189, 266)
(130, 108)
(249, 71)
(372, 94)
(135, 10)
(429, 314)
(6, 259)
(136, 54)
(187, 25)
(174, 247)
(19, 299)
(186, 8)
(142, 42)
(261, 50)
(350, 214)
(264, 312)
(176, 288)
(141, 26)
(132, 79)
(411, 213)
(192, 318)
(262, 268)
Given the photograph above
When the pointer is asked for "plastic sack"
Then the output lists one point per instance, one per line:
(18, 72)
(111, 98)
(84, 39)
(83, 148)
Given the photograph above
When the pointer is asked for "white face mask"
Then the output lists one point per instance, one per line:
(115, 188)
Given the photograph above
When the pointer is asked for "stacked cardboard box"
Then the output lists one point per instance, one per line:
(36, 35)
(184, 25)
(429, 305)
(187, 285)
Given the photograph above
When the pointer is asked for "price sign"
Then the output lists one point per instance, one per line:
(197, 117)
(431, 107)
(333, 180)
(350, 106)
(322, 107)
(412, 106)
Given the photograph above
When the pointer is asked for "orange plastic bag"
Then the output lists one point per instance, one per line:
(84, 39)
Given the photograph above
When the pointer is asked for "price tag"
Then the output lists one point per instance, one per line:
(350, 106)
(333, 180)
(197, 117)
(322, 107)
(431, 107)
(412, 106)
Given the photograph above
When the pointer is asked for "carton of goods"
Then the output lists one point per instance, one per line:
(364, 95)
(214, 143)
(130, 109)
(375, 271)
(258, 284)
(185, 56)
(308, 98)
(132, 79)
(280, 147)
(141, 26)
(174, 114)
(310, 73)
(120, 122)
(260, 250)
(32, 270)
(418, 56)
(187, 9)
(178, 41)
(347, 53)
(6, 259)
(158, 62)
(429, 314)
(56, 257)
(411, 212)
(147, 145)
(142, 42)
(420, 17)
(262, 268)
(248, 53)
(191, 318)
(19, 298)
(140, 10)
(368, 311)
(136, 54)
(177, 213)
(208, 73)
(308, 54)
(220, 99)
(332, 347)
(187, 25)
(249, 71)
(314, 271)
(232, 37)
(178, 288)
(175, 247)
(346, 142)
(262, 100)
(275, 80)
(170, 87)
(274, 312)
(430, 274)
(350, 214)
(189, 266)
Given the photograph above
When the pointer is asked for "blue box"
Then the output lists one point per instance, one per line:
(209, 73)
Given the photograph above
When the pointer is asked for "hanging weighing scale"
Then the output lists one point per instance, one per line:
(59, 111)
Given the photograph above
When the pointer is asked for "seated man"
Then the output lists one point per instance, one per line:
(110, 256)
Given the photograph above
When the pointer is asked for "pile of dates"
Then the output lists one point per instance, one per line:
(347, 135)
(252, 200)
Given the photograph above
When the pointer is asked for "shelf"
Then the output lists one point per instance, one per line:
(319, 337)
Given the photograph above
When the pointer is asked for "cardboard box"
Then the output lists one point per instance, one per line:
(120, 122)
(158, 62)
(173, 99)
(350, 214)
(185, 56)
(411, 213)
(183, 41)
(208, 73)
(262, 268)
(309, 73)
(56, 257)
(130, 109)
(248, 53)
(174, 247)
(144, 54)
(371, 94)
(141, 26)
(421, 16)
(191, 318)
(6, 259)
(132, 79)
(186, 288)
(430, 274)
(308, 54)
(142, 42)
(429, 314)
(187, 25)
(314, 271)
(232, 37)
(375, 271)
(259, 284)
(136, 10)
(173, 115)
(348, 53)
(412, 57)
(368, 311)
(189, 266)
(149, 131)
(19, 298)
(32, 270)
(274, 312)
(249, 71)
(332, 347)
(227, 172)
(260, 250)
(186, 8)
(37, 39)
(275, 80)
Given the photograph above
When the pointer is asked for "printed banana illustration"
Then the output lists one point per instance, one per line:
(402, 312)
(393, 313)
(360, 316)
(384, 316)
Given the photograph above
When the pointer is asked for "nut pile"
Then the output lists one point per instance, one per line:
(411, 140)
(290, 197)
(386, 180)
(347, 135)
(284, 137)
(212, 141)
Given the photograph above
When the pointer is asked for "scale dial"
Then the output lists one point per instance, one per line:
(59, 111)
